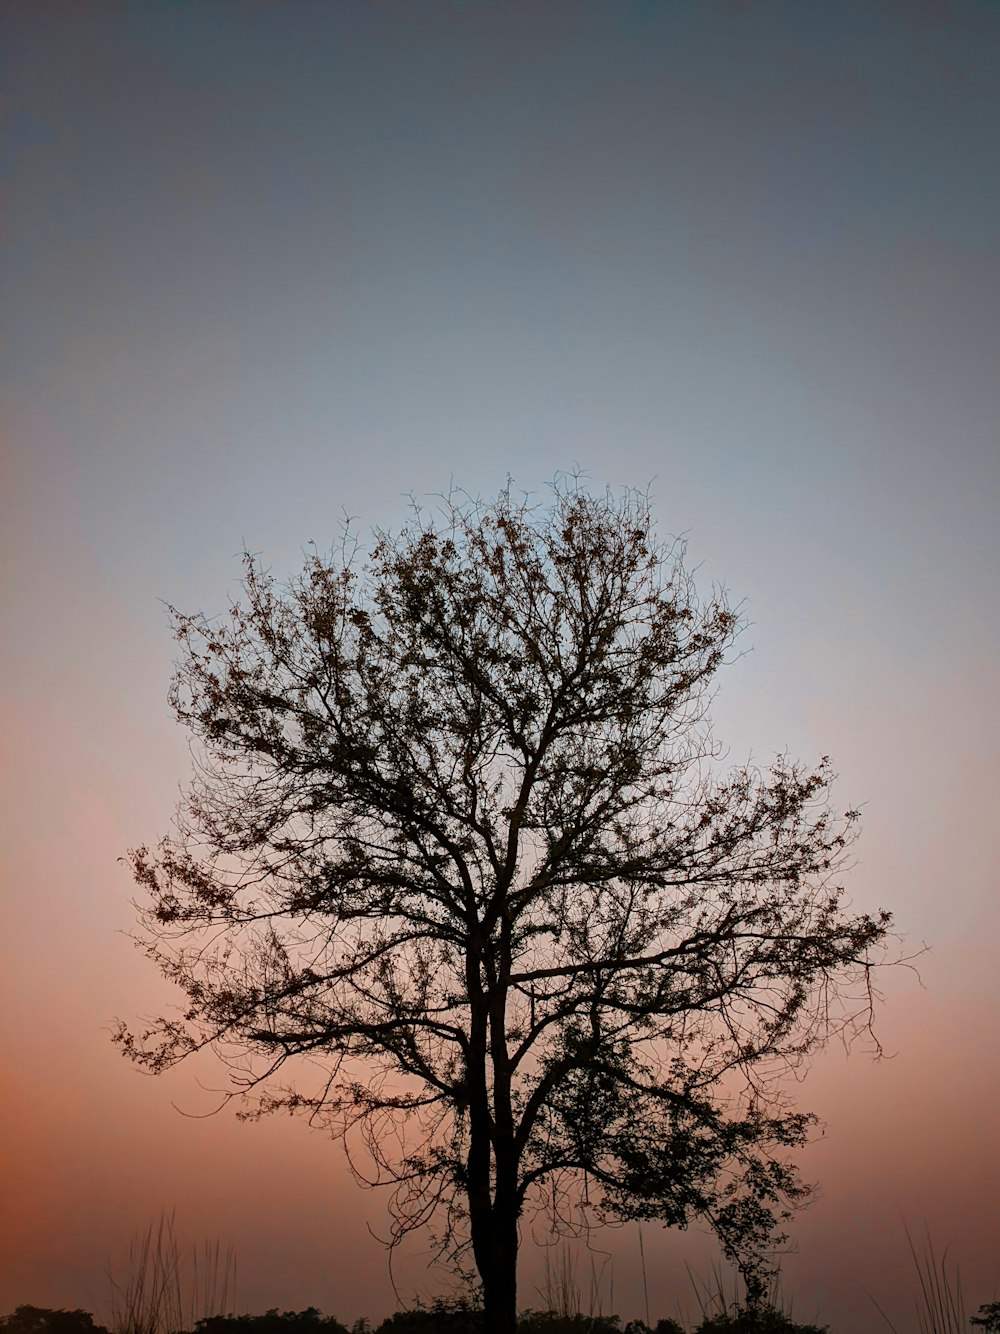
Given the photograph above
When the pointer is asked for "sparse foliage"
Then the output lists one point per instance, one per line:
(459, 836)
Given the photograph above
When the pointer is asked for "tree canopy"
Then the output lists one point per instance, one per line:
(460, 834)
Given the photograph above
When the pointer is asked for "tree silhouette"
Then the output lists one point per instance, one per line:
(459, 834)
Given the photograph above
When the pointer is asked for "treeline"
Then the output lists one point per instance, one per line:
(439, 1318)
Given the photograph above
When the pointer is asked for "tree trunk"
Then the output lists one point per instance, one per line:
(492, 1163)
(496, 1258)
(493, 1211)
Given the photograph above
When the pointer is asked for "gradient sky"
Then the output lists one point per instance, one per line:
(267, 263)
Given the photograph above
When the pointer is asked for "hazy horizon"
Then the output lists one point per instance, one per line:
(264, 265)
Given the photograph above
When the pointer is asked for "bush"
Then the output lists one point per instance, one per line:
(764, 1320)
(551, 1322)
(40, 1320)
(665, 1326)
(308, 1321)
(443, 1317)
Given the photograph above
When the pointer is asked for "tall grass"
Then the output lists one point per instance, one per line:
(153, 1296)
(561, 1291)
(716, 1303)
(939, 1303)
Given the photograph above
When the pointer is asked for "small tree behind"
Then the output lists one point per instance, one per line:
(458, 835)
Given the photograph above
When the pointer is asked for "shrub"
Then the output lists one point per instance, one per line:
(664, 1326)
(763, 1320)
(442, 1317)
(309, 1321)
(552, 1322)
(40, 1320)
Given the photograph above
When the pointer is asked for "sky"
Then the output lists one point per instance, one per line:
(265, 265)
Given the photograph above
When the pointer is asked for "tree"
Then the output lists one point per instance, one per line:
(458, 833)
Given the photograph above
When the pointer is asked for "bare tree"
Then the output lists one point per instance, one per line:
(459, 833)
